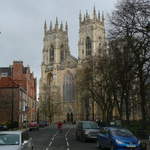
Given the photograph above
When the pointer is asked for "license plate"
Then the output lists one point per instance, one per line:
(132, 146)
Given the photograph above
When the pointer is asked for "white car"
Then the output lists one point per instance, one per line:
(15, 140)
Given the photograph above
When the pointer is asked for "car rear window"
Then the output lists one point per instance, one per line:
(90, 125)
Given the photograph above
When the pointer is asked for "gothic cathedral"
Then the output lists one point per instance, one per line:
(58, 68)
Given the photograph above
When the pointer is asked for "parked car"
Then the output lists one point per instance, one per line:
(3, 128)
(86, 130)
(33, 126)
(43, 124)
(117, 139)
(15, 140)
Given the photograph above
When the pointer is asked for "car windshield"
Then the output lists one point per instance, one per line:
(90, 125)
(9, 139)
(121, 132)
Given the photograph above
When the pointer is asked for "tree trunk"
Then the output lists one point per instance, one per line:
(127, 107)
(143, 100)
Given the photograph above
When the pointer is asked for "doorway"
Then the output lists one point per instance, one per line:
(70, 117)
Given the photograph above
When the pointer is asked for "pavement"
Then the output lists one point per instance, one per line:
(50, 138)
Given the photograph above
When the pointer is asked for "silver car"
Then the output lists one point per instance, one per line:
(15, 140)
(86, 130)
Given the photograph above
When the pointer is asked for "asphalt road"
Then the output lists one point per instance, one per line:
(50, 139)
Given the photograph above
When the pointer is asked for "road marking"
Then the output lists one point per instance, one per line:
(52, 140)
(50, 143)
(67, 144)
(67, 132)
(67, 139)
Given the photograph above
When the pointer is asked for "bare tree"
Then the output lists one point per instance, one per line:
(95, 81)
(130, 24)
(83, 81)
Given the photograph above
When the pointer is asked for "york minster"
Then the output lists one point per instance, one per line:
(59, 67)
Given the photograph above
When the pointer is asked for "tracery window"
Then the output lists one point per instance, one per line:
(52, 53)
(62, 53)
(69, 88)
(88, 46)
(49, 78)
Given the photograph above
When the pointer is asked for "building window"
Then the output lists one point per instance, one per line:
(52, 53)
(88, 46)
(4, 74)
(62, 53)
(49, 78)
(69, 88)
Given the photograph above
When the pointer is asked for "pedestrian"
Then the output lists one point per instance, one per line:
(59, 126)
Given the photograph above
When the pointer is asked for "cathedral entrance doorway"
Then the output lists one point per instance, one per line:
(70, 117)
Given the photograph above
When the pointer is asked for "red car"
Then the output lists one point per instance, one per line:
(33, 126)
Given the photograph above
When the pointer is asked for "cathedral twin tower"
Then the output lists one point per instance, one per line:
(58, 68)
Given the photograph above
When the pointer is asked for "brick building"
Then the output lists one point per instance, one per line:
(13, 102)
(25, 79)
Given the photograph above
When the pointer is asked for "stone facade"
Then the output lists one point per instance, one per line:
(58, 68)
(91, 35)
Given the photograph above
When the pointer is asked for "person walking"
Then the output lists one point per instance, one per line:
(59, 126)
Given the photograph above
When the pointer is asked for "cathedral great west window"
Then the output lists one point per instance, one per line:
(69, 88)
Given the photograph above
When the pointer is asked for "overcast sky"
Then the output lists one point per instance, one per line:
(21, 24)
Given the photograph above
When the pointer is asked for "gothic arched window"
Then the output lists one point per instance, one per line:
(62, 53)
(69, 88)
(49, 78)
(52, 53)
(88, 46)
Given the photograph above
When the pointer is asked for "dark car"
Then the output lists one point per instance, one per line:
(3, 128)
(117, 139)
(43, 124)
(86, 130)
(33, 126)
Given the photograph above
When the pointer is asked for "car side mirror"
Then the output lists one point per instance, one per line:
(25, 142)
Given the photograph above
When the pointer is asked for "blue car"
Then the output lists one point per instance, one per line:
(117, 139)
